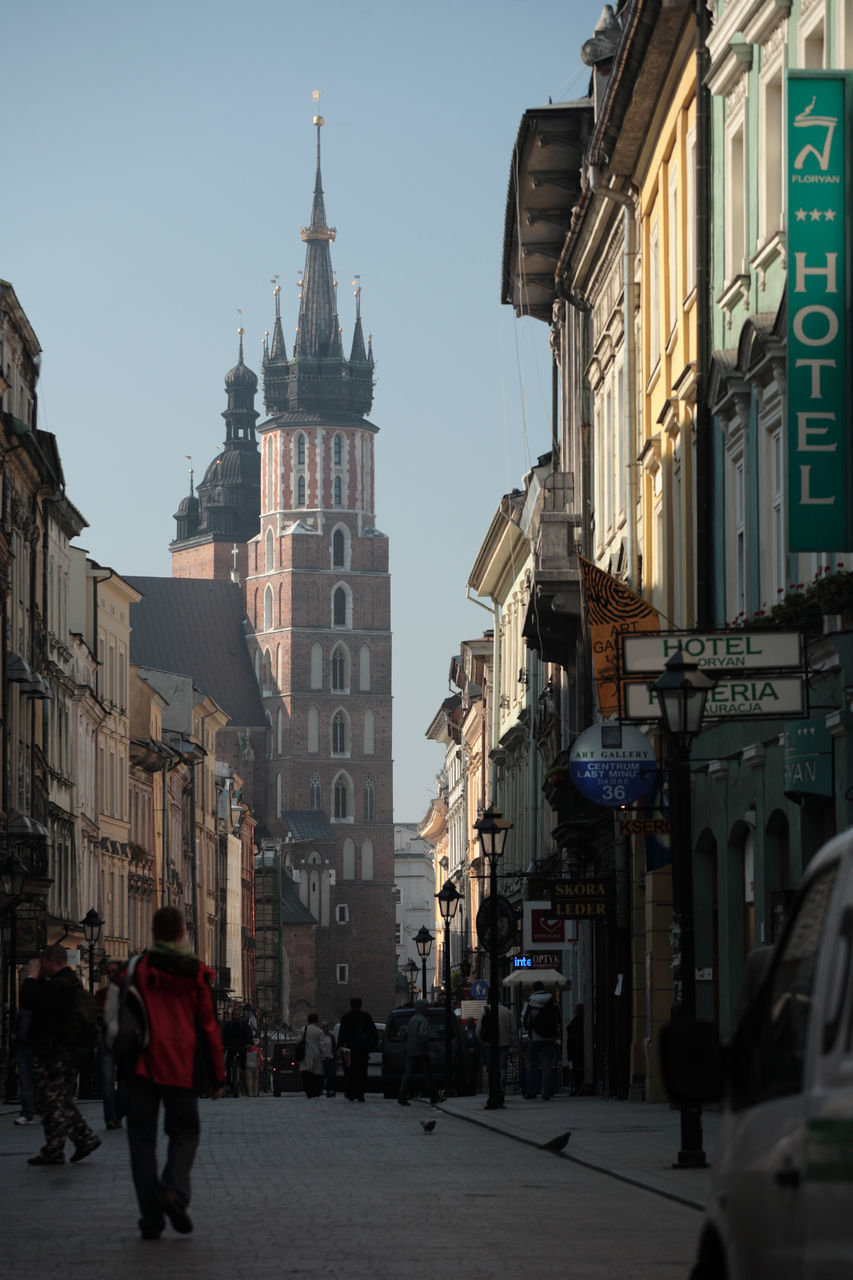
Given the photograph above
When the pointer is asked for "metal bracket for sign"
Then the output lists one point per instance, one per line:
(740, 655)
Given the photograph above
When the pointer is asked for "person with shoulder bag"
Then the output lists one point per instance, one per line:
(417, 1055)
(183, 1044)
(542, 1020)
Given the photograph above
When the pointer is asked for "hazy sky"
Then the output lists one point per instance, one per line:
(158, 165)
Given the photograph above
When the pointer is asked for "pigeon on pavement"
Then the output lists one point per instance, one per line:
(557, 1144)
(427, 1125)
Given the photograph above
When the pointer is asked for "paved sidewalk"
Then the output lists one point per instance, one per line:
(636, 1142)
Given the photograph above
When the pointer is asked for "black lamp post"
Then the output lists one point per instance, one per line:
(681, 692)
(492, 830)
(412, 972)
(92, 924)
(14, 875)
(448, 900)
(423, 942)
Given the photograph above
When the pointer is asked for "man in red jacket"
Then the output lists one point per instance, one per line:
(175, 988)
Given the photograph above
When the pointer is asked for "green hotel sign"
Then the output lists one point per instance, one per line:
(819, 450)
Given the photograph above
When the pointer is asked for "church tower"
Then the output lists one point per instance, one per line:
(224, 513)
(318, 601)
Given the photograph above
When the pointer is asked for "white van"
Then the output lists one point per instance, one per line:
(781, 1202)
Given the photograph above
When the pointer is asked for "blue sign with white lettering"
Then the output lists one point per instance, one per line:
(613, 765)
(479, 989)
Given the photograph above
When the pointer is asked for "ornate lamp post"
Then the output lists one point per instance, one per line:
(448, 900)
(92, 925)
(682, 691)
(13, 877)
(412, 972)
(423, 942)
(492, 830)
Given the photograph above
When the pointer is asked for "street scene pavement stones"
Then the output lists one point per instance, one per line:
(324, 1187)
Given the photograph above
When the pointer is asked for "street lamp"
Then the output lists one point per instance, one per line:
(412, 971)
(14, 875)
(92, 924)
(492, 830)
(448, 900)
(682, 691)
(423, 942)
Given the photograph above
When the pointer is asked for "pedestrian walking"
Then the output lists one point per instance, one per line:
(541, 1019)
(357, 1034)
(254, 1062)
(330, 1059)
(312, 1062)
(236, 1038)
(26, 1072)
(50, 993)
(417, 1055)
(506, 1036)
(113, 1097)
(175, 990)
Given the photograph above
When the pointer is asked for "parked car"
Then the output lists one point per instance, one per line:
(374, 1063)
(781, 1181)
(284, 1069)
(394, 1051)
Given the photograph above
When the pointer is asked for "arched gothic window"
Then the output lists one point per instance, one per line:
(300, 451)
(269, 557)
(339, 607)
(268, 624)
(300, 492)
(338, 549)
(337, 491)
(315, 791)
(266, 671)
(339, 734)
(341, 798)
(369, 794)
(337, 450)
(340, 680)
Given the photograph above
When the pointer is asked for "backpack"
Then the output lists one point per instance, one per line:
(546, 1020)
(81, 1025)
(125, 1020)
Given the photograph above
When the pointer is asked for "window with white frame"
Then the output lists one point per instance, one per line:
(340, 734)
(300, 451)
(771, 173)
(342, 798)
(342, 971)
(673, 232)
(341, 913)
(369, 799)
(735, 198)
(340, 669)
(690, 214)
(654, 297)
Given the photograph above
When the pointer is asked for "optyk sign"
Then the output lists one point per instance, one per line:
(818, 338)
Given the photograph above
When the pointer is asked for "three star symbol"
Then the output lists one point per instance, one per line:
(815, 215)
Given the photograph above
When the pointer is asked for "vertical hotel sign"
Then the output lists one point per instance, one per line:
(819, 446)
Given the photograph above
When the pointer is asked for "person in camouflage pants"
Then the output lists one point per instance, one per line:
(49, 995)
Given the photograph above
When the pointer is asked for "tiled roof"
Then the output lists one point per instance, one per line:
(195, 627)
(309, 824)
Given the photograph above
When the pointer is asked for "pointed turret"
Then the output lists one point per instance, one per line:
(318, 377)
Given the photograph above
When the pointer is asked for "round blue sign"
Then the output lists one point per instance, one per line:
(479, 989)
(613, 765)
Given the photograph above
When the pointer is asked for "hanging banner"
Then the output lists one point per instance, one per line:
(818, 306)
(612, 610)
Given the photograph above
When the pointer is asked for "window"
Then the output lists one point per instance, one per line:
(266, 671)
(300, 492)
(654, 297)
(690, 214)
(348, 871)
(369, 799)
(268, 622)
(268, 552)
(340, 610)
(342, 971)
(772, 1065)
(339, 734)
(316, 666)
(369, 733)
(341, 798)
(337, 450)
(342, 913)
(672, 256)
(300, 451)
(367, 859)
(340, 680)
(313, 730)
(338, 549)
(771, 176)
(337, 500)
(736, 204)
(315, 793)
(364, 668)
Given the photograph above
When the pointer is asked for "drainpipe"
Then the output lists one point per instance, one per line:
(704, 496)
(495, 610)
(629, 238)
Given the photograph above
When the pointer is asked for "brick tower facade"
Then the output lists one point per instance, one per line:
(317, 588)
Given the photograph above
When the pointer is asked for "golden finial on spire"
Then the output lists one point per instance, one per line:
(318, 120)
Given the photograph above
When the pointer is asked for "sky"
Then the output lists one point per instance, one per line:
(159, 164)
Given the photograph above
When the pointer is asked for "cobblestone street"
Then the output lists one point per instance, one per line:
(324, 1187)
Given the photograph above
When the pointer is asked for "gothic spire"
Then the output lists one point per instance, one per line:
(317, 306)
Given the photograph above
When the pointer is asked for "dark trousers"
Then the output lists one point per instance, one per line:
(355, 1075)
(55, 1076)
(26, 1079)
(419, 1065)
(181, 1125)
